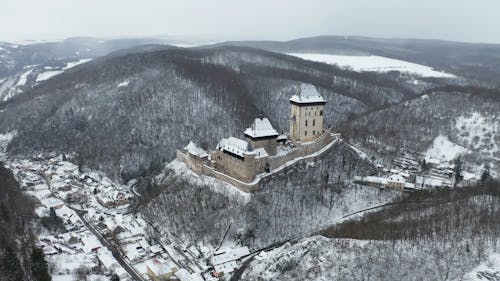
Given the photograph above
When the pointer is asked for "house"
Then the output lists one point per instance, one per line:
(226, 261)
(107, 260)
(90, 244)
(160, 270)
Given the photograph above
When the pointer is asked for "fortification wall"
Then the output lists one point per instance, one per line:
(307, 150)
(192, 162)
(300, 151)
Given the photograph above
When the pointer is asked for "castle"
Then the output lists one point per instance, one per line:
(241, 161)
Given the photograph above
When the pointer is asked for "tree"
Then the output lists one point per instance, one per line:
(457, 171)
(115, 277)
(486, 176)
(53, 216)
(423, 165)
(11, 266)
(81, 274)
(39, 266)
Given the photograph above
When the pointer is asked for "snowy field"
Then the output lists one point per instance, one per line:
(374, 63)
(443, 149)
(51, 73)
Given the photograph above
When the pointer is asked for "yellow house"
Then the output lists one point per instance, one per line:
(161, 270)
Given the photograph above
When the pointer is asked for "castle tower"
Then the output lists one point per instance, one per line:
(262, 135)
(306, 123)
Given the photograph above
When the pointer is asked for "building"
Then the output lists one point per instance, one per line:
(161, 270)
(237, 158)
(243, 161)
(306, 123)
(261, 134)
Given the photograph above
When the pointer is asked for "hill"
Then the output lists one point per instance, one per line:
(126, 113)
(474, 61)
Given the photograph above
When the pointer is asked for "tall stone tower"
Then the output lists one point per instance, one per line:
(306, 123)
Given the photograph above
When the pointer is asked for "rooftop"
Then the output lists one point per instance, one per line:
(161, 267)
(308, 94)
(261, 127)
(195, 150)
(234, 145)
(231, 255)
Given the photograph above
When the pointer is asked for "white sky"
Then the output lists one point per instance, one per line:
(459, 20)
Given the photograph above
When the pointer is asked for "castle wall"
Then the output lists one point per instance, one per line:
(193, 162)
(244, 169)
(243, 176)
(301, 150)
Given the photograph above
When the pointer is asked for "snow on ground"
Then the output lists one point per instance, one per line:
(489, 270)
(477, 130)
(75, 63)
(37, 41)
(214, 184)
(5, 139)
(73, 277)
(23, 78)
(123, 84)
(47, 75)
(374, 63)
(443, 149)
(51, 73)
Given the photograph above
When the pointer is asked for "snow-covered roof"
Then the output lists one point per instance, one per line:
(90, 243)
(234, 145)
(106, 258)
(260, 152)
(308, 94)
(183, 275)
(230, 255)
(160, 267)
(261, 127)
(193, 149)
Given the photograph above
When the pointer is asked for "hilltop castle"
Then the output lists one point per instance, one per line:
(263, 150)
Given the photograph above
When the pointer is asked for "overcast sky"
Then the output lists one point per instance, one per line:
(459, 20)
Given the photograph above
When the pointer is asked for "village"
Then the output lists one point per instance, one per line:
(93, 233)
(412, 170)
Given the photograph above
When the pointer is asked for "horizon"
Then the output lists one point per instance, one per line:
(225, 20)
(208, 41)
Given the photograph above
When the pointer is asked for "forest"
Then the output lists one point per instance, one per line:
(20, 258)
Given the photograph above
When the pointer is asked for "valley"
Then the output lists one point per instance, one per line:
(104, 140)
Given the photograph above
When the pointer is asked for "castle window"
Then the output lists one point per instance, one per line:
(306, 123)
(314, 133)
(314, 122)
(305, 133)
(321, 113)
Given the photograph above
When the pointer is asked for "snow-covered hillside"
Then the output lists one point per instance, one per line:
(446, 236)
(374, 63)
(443, 149)
(32, 75)
(300, 199)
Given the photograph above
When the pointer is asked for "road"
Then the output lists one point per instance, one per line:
(130, 270)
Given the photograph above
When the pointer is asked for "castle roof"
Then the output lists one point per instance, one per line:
(261, 128)
(234, 145)
(240, 147)
(195, 150)
(308, 95)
